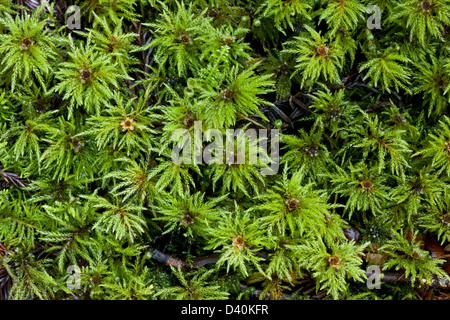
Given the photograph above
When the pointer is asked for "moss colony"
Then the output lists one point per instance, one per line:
(93, 204)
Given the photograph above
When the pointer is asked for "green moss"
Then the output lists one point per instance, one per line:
(88, 177)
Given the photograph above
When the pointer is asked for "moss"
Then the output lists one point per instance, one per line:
(88, 176)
